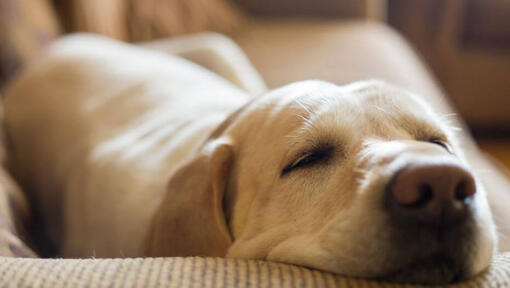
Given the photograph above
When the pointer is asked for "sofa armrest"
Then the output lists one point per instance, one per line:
(368, 9)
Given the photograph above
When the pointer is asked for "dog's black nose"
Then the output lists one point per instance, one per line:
(435, 193)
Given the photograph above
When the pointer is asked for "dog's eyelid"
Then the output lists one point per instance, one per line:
(441, 141)
(309, 157)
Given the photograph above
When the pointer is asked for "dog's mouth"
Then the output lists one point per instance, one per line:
(432, 254)
(438, 269)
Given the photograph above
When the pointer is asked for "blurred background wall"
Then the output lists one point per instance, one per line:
(467, 44)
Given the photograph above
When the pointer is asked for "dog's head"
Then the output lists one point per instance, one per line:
(363, 180)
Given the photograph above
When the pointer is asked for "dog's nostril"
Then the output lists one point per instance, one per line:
(464, 191)
(426, 193)
(423, 195)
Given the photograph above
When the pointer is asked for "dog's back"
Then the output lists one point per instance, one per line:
(98, 126)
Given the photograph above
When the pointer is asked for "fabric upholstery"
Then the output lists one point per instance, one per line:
(143, 20)
(197, 272)
(13, 219)
(341, 52)
(14, 210)
(151, 19)
(25, 27)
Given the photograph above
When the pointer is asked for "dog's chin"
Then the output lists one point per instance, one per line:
(435, 270)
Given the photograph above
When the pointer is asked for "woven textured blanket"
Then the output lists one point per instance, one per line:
(197, 272)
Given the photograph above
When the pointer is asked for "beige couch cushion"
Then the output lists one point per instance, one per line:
(285, 51)
(197, 272)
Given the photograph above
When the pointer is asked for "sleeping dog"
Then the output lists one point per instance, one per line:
(130, 152)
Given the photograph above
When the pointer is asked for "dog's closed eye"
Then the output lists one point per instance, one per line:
(440, 142)
(309, 158)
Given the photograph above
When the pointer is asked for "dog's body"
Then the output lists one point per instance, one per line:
(98, 129)
(94, 133)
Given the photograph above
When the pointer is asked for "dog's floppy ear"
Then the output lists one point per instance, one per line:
(190, 219)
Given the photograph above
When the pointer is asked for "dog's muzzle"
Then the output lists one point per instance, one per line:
(430, 211)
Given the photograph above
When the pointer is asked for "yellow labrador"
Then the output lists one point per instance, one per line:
(130, 152)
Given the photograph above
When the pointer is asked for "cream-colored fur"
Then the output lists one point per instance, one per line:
(131, 152)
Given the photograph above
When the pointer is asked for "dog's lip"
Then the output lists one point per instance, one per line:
(438, 269)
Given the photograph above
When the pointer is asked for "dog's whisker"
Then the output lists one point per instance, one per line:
(456, 129)
(361, 181)
(448, 116)
(307, 109)
(449, 119)
(306, 120)
(363, 178)
(361, 171)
